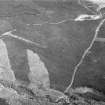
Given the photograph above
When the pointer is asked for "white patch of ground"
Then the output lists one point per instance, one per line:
(39, 73)
(6, 72)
